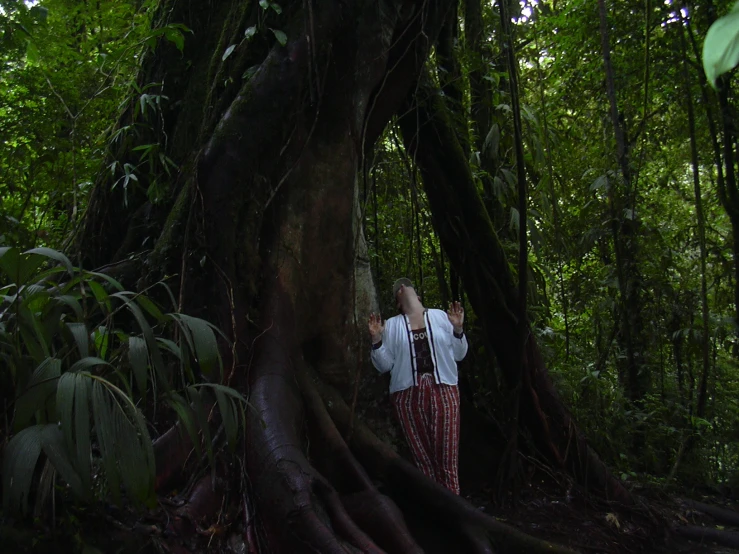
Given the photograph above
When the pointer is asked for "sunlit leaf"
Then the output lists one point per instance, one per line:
(54, 255)
(721, 46)
(228, 52)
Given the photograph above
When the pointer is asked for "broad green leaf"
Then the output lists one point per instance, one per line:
(280, 36)
(228, 417)
(19, 267)
(201, 416)
(82, 427)
(4, 250)
(53, 446)
(101, 339)
(40, 387)
(203, 341)
(116, 285)
(31, 342)
(126, 439)
(130, 456)
(73, 303)
(105, 431)
(45, 275)
(65, 394)
(186, 417)
(150, 307)
(81, 337)
(721, 46)
(228, 52)
(176, 38)
(54, 255)
(492, 141)
(19, 464)
(87, 363)
(73, 409)
(171, 346)
(138, 356)
(99, 292)
(170, 294)
(250, 31)
(228, 391)
(600, 182)
(154, 353)
(44, 488)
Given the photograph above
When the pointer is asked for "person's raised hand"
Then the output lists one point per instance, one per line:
(376, 327)
(455, 313)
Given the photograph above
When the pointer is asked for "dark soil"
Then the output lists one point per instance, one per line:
(562, 514)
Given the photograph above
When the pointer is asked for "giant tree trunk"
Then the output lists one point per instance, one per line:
(263, 233)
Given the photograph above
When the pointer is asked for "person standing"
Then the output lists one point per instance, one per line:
(420, 348)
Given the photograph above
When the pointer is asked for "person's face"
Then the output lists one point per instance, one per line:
(403, 292)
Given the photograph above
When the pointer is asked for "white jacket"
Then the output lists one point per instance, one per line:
(397, 354)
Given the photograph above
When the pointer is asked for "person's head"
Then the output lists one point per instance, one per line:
(403, 293)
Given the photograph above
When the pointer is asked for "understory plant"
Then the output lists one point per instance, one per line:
(85, 366)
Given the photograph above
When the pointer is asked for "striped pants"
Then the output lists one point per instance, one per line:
(429, 416)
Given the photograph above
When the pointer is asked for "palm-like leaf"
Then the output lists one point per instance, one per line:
(49, 322)
(40, 387)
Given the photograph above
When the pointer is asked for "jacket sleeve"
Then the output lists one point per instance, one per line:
(459, 346)
(383, 358)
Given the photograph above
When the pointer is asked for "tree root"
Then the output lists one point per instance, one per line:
(436, 505)
(724, 515)
(171, 452)
(374, 512)
(300, 509)
(704, 534)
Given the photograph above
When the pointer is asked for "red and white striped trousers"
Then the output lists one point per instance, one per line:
(429, 417)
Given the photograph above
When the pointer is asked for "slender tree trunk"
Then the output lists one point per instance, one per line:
(624, 236)
(480, 97)
(559, 240)
(703, 387)
(450, 76)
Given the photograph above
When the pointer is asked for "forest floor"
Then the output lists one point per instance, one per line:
(548, 511)
(566, 516)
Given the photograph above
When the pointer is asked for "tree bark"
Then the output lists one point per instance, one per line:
(623, 224)
(703, 386)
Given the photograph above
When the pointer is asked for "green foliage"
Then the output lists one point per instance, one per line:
(577, 193)
(66, 70)
(80, 355)
(721, 47)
